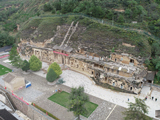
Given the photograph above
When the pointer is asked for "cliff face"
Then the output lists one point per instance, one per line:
(81, 32)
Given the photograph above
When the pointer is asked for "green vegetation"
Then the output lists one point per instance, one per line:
(56, 68)
(119, 11)
(15, 58)
(4, 70)
(137, 110)
(25, 66)
(35, 63)
(41, 109)
(116, 15)
(5, 39)
(63, 100)
(51, 75)
(153, 63)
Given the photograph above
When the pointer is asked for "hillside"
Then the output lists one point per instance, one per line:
(101, 31)
(95, 37)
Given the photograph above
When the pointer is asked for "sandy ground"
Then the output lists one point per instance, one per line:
(74, 79)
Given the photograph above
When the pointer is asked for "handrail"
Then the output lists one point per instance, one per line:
(8, 99)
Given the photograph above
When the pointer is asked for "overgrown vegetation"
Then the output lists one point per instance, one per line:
(6, 39)
(103, 38)
(153, 63)
(120, 11)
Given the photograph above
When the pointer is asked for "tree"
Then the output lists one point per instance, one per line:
(35, 63)
(121, 19)
(15, 58)
(137, 110)
(47, 7)
(51, 75)
(57, 5)
(77, 100)
(26, 66)
(112, 50)
(56, 68)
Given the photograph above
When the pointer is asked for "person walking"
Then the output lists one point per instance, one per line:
(152, 97)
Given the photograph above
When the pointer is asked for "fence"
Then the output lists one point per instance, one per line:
(103, 21)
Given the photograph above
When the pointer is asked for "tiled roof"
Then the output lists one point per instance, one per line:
(9, 77)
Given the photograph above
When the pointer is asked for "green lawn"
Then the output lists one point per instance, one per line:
(4, 70)
(62, 99)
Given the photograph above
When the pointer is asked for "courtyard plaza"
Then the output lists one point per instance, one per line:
(112, 103)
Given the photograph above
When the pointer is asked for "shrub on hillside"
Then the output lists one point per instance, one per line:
(35, 63)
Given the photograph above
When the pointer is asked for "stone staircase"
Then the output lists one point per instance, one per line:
(69, 33)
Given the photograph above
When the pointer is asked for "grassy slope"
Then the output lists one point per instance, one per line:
(100, 37)
(62, 99)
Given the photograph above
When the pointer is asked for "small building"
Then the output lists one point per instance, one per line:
(13, 81)
(150, 76)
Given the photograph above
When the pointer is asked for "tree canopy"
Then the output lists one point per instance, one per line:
(137, 110)
(77, 101)
(51, 75)
(25, 66)
(15, 58)
(56, 68)
(35, 63)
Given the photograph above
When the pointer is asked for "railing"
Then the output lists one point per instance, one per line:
(8, 100)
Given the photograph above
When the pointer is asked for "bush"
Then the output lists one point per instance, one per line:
(35, 63)
(60, 81)
(53, 11)
(26, 66)
(47, 7)
(51, 75)
(56, 68)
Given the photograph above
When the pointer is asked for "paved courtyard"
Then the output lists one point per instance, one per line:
(111, 104)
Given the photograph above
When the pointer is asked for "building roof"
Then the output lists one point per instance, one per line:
(115, 68)
(106, 65)
(124, 70)
(10, 76)
(150, 75)
(5, 115)
(63, 47)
